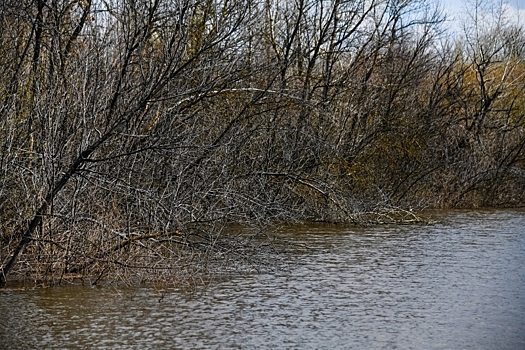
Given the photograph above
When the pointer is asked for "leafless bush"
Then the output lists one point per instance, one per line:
(133, 132)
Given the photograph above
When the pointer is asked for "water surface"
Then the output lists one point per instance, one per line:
(459, 284)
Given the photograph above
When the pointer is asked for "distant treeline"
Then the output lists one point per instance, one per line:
(132, 131)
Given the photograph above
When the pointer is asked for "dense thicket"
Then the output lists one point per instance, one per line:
(131, 131)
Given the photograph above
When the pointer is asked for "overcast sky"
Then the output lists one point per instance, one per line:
(456, 9)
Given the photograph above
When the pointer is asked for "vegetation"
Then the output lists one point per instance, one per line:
(133, 131)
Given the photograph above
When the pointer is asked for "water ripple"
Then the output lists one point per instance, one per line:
(456, 285)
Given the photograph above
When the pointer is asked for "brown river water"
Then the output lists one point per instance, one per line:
(458, 284)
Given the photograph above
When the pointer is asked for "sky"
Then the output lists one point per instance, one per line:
(455, 9)
(459, 5)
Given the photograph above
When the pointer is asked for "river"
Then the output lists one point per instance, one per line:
(458, 284)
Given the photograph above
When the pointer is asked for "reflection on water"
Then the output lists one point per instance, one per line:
(459, 284)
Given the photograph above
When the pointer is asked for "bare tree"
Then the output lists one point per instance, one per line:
(130, 69)
(132, 133)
